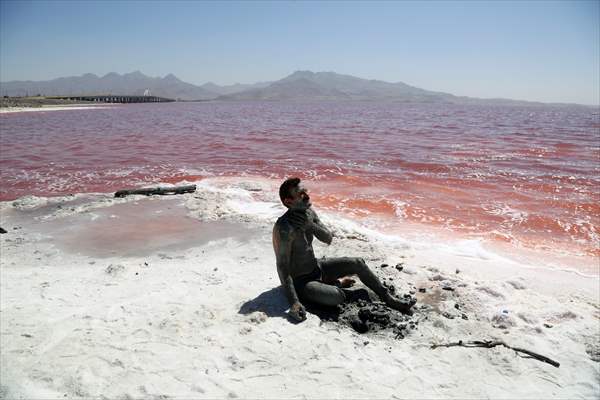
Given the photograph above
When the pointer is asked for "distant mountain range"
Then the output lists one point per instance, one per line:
(134, 83)
(332, 86)
(299, 86)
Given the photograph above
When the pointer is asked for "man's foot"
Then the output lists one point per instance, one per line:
(403, 305)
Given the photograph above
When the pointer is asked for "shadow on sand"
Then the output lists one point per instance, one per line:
(272, 302)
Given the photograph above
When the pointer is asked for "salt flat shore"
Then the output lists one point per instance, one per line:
(10, 110)
(178, 297)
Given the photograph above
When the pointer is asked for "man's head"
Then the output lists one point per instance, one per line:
(294, 195)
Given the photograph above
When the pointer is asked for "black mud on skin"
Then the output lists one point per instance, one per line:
(364, 315)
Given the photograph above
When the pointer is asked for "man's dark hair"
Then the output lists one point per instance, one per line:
(286, 187)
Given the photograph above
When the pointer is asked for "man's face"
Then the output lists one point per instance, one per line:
(300, 199)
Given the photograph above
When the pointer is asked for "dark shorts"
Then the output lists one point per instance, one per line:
(310, 287)
(301, 281)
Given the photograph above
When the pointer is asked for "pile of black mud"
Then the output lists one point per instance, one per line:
(365, 315)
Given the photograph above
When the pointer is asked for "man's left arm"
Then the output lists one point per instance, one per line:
(318, 228)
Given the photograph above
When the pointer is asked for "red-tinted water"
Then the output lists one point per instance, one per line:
(528, 176)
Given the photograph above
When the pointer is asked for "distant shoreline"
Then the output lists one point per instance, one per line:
(36, 101)
(62, 107)
(32, 102)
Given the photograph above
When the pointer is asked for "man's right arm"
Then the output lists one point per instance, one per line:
(283, 236)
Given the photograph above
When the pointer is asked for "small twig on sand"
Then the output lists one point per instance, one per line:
(488, 344)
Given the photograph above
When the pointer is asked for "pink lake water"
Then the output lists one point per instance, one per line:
(525, 178)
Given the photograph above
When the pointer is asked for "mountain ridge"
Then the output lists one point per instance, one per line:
(132, 83)
(308, 85)
(301, 85)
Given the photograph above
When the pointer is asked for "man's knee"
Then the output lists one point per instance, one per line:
(360, 263)
(323, 294)
(354, 265)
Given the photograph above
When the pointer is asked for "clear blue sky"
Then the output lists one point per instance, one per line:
(546, 51)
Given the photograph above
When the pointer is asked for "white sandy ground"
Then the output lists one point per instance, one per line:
(177, 297)
(11, 110)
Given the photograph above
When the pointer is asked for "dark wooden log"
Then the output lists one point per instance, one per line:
(157, 190)
(488, 344)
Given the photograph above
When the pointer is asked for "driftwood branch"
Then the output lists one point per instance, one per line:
(488, 344)
(157, 190)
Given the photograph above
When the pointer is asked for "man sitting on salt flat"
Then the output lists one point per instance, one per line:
(301, 274)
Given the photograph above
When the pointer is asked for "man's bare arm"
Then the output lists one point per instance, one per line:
(283, 236)
(319, 229)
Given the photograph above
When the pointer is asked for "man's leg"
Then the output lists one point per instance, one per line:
(322, 293)
(334, 268)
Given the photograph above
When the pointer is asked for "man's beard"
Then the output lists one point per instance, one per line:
(302, 205)
(306, 204)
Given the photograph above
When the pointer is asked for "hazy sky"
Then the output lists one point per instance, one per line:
(546, 51)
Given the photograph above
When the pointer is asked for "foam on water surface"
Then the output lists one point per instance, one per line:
(102, 225)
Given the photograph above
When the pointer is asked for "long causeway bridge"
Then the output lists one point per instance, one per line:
(108, 98)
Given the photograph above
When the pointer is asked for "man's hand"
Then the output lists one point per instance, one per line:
(298, 312)
(299, 219)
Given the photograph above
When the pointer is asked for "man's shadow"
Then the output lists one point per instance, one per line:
(272, 302)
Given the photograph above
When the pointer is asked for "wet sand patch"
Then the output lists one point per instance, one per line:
(137, 229)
